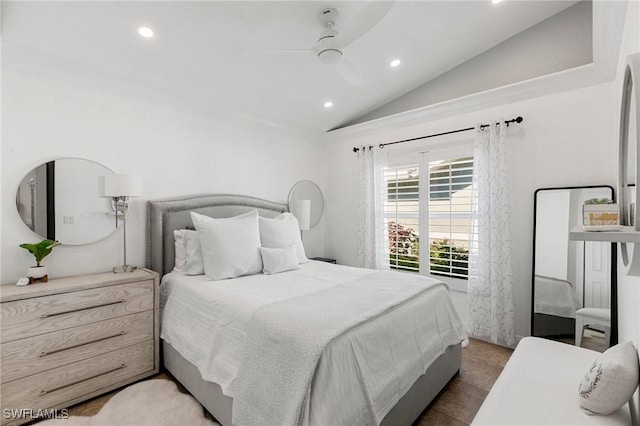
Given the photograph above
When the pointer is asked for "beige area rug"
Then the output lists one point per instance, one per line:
(154, 402)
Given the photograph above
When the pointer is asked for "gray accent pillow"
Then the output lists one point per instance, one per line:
(611, 380)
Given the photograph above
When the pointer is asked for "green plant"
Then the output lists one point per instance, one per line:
(448, 259)
(41, 249)
(598, 201)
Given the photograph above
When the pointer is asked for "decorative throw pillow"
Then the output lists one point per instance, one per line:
(180, 262)
(281, 232)
(230, 246)
(611, 380)
(194, 264)
(180, 259)
(276, 260)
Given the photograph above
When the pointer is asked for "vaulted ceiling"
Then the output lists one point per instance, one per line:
(233, 56)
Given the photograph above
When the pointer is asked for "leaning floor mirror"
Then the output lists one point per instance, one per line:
(574, 282)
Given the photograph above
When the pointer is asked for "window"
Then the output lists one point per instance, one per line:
(441, 204)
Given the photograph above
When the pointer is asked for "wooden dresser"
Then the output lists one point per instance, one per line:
(74, 338)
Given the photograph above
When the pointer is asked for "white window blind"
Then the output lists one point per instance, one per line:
(402, 217)
(450, 203)
(448, 193)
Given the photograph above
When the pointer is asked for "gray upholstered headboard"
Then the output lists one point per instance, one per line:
(164, 216)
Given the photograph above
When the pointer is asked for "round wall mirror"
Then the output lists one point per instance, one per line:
(629, 158)
(309, 193)
(61, 200)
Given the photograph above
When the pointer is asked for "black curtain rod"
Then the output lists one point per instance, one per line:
(482, 126)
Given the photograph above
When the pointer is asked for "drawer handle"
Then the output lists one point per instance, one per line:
(122, 333)
(82, 309)
(120, 367)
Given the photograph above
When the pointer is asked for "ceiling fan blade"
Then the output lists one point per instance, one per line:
(350, 72)
(366, 19)
(277, 51)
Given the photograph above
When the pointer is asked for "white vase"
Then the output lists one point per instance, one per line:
(36, 272)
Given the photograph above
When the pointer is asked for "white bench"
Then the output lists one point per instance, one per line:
(539, 386)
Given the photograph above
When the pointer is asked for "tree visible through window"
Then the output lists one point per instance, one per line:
(450, 199)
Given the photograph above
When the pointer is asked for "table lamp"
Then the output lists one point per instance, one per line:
(302, 211)
(120, 188)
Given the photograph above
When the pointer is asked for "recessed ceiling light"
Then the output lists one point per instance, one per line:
(145, 32)
(395, 63)
(328, 104)
(495, 1)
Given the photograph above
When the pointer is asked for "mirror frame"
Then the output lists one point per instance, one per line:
(630, 91)
(316, 214)
(614, 263)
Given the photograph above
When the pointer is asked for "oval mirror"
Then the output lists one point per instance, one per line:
(60, 200)
(304, 191)
(629, 159)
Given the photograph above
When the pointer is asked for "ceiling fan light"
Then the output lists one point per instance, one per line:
(330, 56)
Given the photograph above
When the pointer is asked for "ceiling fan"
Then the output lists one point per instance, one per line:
(330, 44)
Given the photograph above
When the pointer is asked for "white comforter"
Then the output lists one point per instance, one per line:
(360, 376)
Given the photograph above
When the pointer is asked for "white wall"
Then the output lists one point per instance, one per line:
(177, 152)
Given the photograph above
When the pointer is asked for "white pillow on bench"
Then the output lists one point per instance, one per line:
(611, 380)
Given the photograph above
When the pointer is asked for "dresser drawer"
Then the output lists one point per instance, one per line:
(56, 387)
(25, 357)
(39, 315)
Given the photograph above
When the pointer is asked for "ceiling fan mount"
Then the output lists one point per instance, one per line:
(328, 17)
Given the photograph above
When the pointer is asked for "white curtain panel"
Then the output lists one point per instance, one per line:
(371, 250)
(490, 289)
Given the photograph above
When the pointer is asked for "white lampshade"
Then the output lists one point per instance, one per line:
(122, 186)
(302, 211)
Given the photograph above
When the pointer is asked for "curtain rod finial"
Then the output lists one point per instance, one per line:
(519, 119)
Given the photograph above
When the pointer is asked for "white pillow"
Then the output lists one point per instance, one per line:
(281, 232)
(230, 246)
(611, 380)
(194, 264)
(180, 260)
(276, 260)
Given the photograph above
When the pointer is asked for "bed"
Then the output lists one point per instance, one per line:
(203, 363)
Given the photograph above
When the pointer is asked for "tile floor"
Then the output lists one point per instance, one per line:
(461, 399)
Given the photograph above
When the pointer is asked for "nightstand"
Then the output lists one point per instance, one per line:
(74, 338)
(324, 259)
